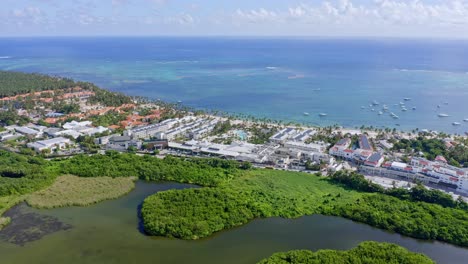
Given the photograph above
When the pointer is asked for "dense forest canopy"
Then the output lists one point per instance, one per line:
(13, 83)
(23, 174)
(197, 213)
(207, 172)
(364, 253)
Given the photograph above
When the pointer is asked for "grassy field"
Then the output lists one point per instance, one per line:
(78, 191)
(6, 203)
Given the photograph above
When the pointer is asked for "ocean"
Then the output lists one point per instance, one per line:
(274, 78)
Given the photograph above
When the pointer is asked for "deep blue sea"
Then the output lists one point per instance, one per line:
(270, 77)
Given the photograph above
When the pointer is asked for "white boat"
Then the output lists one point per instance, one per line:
(380, 113)
(373, 110)
(375, 103)
(322, 114)
(306, 114)
(401, 103)
(456, 123)
(465, 120)
(394, 116)
(404, 109)
(179, 102)
(385, 107)
(363, 107)
(443, 115)
(407, 99)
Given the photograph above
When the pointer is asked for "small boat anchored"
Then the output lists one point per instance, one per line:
(322, 114)
(456, 124)
(306, 114)
(465, 120)
(407, 99)
(443, 115)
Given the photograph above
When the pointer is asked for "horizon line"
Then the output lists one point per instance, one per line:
(368, 37)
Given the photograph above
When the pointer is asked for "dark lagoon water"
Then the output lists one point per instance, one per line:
(279, 78)
(109, 233)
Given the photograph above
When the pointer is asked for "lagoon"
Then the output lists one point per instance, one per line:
(109, 232)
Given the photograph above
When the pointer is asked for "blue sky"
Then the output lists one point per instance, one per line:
(391, 18)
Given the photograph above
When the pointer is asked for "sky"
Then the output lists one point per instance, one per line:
(348, 18)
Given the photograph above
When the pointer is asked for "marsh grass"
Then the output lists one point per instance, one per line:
(79, 191)
(6, 203)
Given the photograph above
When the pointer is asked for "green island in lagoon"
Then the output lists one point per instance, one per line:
(218, 194)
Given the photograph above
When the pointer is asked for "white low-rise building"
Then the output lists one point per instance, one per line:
(313, 147)
(50, 144)
(283, 135)
(75, 124)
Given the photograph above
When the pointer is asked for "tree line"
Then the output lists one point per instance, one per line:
(368, 252)
(417, 193)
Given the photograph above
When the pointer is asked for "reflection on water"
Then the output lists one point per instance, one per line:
(110, 232)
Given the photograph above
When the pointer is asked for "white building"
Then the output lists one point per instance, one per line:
(49, 144)
(341, 152)
(151, 130)
(29, 132)
(313, 147)
(74, 124)
(283, 135)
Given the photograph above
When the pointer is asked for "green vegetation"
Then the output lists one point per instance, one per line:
(221, 128)
(79, 191)
(10, 117)
(432, 147)
(105, 97)
(196, 213)
(111, 118)
(13, 83)
(417, 194)
(233, 195)
(6, 203)
(207, 172)
(364, 253)
(261, 134)
(23, 174)
(66, 108)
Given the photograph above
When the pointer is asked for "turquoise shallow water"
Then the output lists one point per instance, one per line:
(273, 78)
(108, 232)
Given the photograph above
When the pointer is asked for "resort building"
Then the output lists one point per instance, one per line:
(282, 135)
(364, 143)
(313, 147)
(50, 144)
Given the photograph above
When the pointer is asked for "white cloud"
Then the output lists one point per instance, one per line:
(255, 16)
(312, 17)
(350, 16)
(180, 19)
(27, 15)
